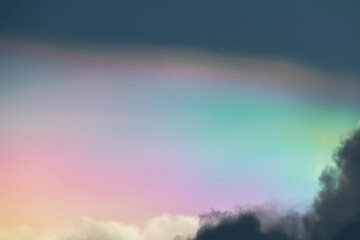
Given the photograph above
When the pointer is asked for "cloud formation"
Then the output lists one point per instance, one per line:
(162, 227)
(336, 210)
(334, 215)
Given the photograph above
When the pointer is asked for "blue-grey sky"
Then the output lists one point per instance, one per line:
(322, 34)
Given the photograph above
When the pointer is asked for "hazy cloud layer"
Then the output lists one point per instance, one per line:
(163, 227)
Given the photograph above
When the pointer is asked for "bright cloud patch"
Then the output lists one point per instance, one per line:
(165, 227)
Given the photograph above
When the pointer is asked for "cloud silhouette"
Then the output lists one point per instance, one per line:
(244, 226)
(336, 211)
(334, 215)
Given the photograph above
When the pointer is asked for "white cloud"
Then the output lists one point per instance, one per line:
(168, 227)
(165, 227)
(87, 229)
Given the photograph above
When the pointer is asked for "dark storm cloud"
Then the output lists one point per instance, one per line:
(335, 213)
(245, 226)
(248, 225)
(324, 34)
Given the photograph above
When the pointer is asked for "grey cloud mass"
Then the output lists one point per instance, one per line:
(334, 215)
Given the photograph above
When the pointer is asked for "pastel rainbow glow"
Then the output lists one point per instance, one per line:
(129, 135)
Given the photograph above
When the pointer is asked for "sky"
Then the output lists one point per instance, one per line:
(130, 120)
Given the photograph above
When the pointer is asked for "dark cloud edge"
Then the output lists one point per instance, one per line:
(334, 214)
